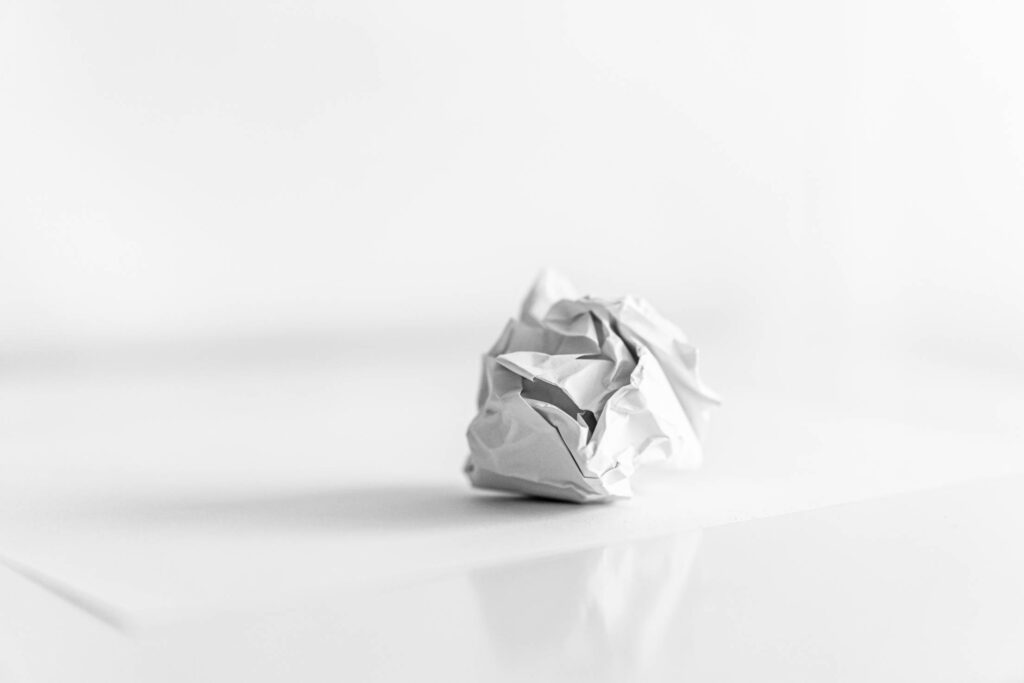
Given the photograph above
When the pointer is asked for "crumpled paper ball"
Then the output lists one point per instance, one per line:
(579, 391)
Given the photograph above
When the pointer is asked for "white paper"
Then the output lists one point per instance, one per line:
(579, 391)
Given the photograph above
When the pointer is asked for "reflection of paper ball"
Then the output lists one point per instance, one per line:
(579, 391)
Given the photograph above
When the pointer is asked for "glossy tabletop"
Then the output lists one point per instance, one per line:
(296, 512)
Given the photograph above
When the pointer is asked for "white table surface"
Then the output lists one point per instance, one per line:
(294, 510)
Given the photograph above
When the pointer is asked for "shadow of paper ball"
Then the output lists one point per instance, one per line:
(379, 508)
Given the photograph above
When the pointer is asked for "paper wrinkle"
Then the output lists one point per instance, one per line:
(579, 391)
(550, 287)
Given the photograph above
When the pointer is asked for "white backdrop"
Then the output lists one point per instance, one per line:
(787, 173)
(250, 252)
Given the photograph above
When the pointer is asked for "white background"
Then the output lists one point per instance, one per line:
(251, 251)
(785, 174)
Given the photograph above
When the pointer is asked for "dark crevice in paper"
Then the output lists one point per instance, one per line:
(540, 390)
